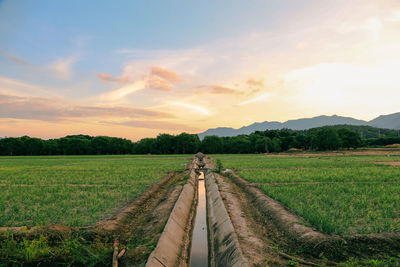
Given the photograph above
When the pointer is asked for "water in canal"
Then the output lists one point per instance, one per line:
(199, 251)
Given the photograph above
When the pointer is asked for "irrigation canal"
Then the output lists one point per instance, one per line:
(199, 250)
(199, 231)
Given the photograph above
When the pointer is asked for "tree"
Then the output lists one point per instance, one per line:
(349, 138)
(286, 142)
(187, 143)
(261, 144)
(240, 144)
(326, 139)
(146, 146)
(51, 147)
(32, 146)
(302, 141)
(11, 146)
(211, 144)
(99, 145)
(275, 145)
(166, 143)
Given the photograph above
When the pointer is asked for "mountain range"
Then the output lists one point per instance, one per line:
(391, 121)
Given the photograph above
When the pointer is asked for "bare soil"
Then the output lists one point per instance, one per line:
(354, 152)
(259, 239)
(140, 225)
(290, 233)
(391, 163)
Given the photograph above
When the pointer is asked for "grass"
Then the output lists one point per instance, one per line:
(73, 250)
(336, 194)
(382, 262)
(75, 190)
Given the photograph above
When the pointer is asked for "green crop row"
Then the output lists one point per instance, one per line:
(335, 194)
(76, 190)
(370, 174)
(260, 161)
(343, 208)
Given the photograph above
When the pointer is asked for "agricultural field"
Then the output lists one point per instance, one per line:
(338, 195)
(75, 190)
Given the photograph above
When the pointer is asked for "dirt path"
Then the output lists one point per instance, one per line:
(391, 163)
(259, 239)
(253, 247)
(141, 227)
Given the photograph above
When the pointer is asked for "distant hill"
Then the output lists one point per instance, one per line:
(391, 121)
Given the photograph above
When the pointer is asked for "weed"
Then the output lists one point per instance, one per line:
(219, 166)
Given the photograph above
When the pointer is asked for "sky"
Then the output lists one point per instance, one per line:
(135, 69)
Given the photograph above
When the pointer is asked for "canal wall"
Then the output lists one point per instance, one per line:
(224, 247)
(172, 241)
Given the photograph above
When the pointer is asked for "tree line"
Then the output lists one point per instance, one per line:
(317, 139)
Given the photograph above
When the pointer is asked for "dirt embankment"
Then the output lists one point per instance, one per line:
(137, 225)
(259, 239)
(140, 226)
(294, 230)
(224, 247)
(174, 243)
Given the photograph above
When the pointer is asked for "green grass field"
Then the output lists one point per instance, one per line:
(336, 194)
(75, 190)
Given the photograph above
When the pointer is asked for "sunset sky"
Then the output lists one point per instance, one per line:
(135, 69)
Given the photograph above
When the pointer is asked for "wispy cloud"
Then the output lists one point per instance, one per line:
(300, 65)
(45, 109)
(124, 91)
(168, 75)
(196, 108)
(19, 61)
(160, 125)
(216, 89)
(162, 79)
(158, 83)
(106, 77)
(63, 66)
(15, 87)
(260, 98)
(255, 83)
(156, 78)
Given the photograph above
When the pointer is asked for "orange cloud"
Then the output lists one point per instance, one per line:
(162, 125)
(113, 112)
(159, 83)
(44, 109)
(19, 61)
(109, 78)
(254, 82)
(168, 75)
(216, 89)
